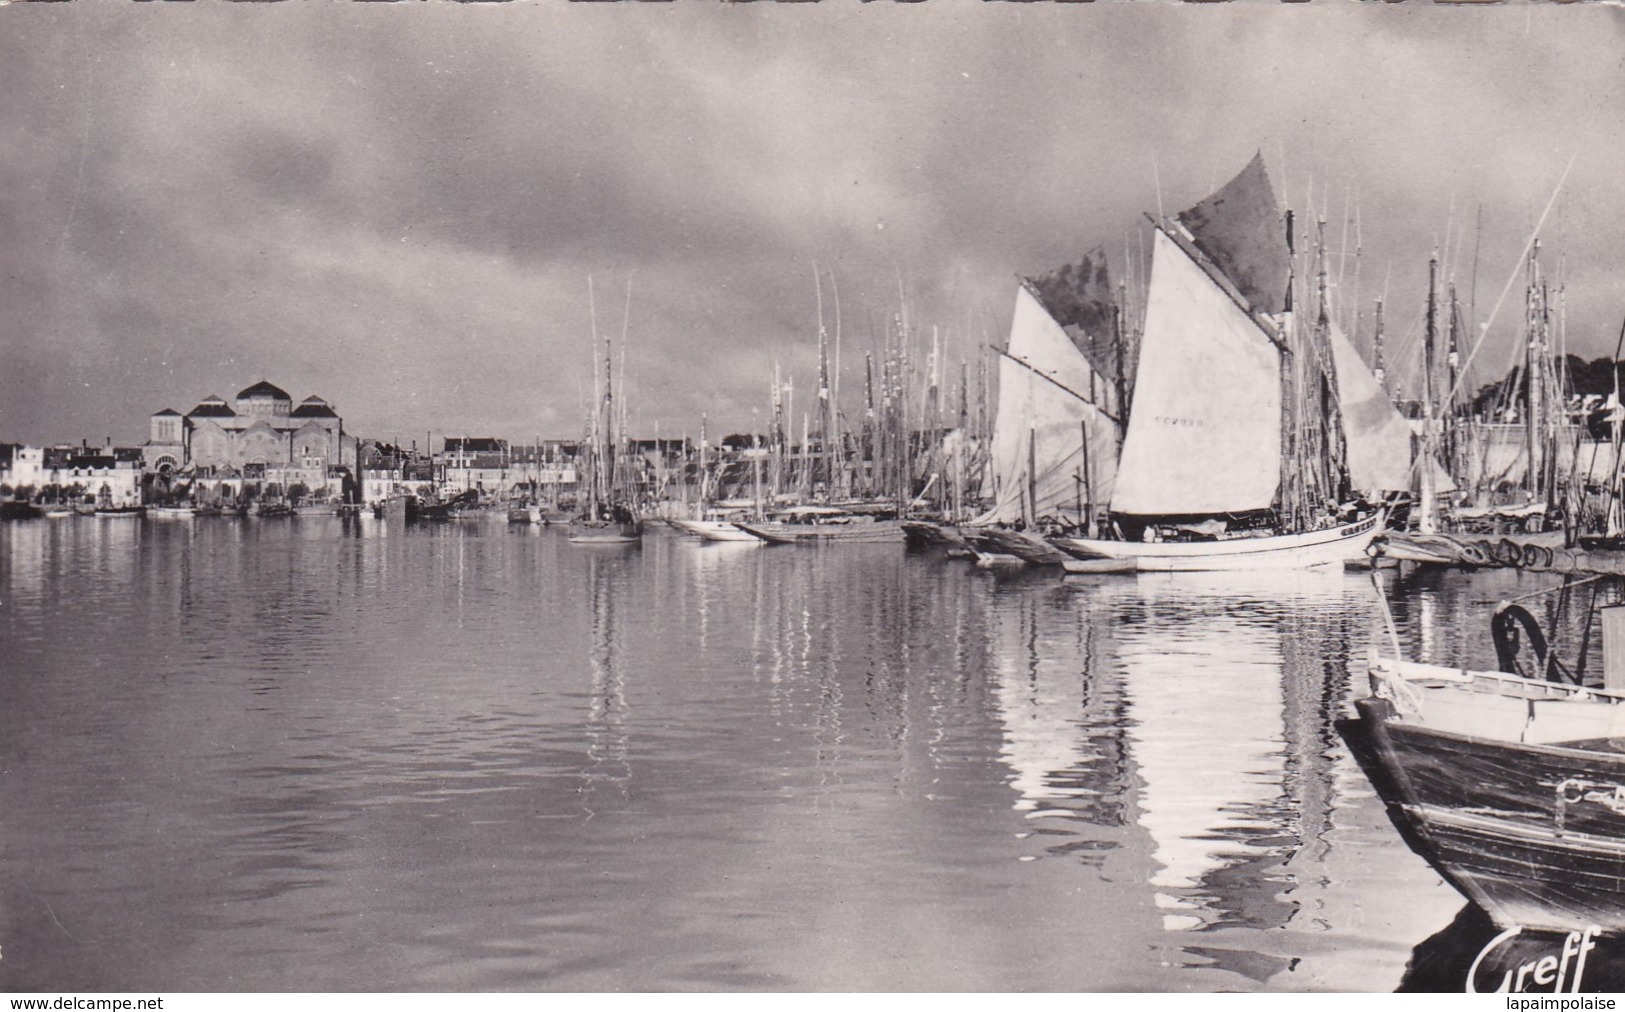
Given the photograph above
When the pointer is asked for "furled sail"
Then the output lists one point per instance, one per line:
(1205, 436)
(1037, 463)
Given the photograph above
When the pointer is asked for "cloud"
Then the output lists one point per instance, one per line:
(398, 207)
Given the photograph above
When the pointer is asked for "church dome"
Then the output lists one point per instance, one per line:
(264, 390)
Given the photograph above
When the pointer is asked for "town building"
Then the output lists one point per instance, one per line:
(261, 442)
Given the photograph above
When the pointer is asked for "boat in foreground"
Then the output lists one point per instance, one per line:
(1512, 788)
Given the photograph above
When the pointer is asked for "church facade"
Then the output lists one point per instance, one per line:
(260, 436)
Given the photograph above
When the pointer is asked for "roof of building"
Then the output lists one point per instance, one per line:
(264, 388)
(314, 407)
(212, 407)
(166, 413)
(475, 444)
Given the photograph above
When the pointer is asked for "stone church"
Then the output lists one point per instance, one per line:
(262, 430)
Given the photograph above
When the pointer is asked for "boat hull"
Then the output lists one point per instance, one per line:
(873, 532)
(1534, 835)
(122, 513)
(605, 532)
(1027, 547)
(1332, 546)
(714, 530)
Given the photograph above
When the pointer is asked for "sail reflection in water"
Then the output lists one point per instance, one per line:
(473, 756)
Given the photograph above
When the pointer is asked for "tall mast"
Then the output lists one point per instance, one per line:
(594, 459)
(1377, 368)
(869, 449)
(1447, 407)
(1291, 464)
(1426, 524)
(1534, 375)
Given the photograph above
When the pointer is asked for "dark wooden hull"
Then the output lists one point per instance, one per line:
(1534, 835)
(1027, 547)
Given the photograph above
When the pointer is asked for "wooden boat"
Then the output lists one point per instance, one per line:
(802, 525)
(273, 510)
(18, 509)
(586, 531)
(1024, 545)
(1331, 546)
(525, 514)
(1228, 454)
(59, 512)
(171, 512)
(607, 516)
(1053, 453)
(714, 530)
(1091, 567)
(1512, 788)
(121, 512)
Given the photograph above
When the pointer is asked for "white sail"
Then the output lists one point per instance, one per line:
(1205, 435)
(1377, 436)
(1037, 459)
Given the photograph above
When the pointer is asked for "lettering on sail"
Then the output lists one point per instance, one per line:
(1182, 423)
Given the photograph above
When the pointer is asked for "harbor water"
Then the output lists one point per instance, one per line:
(341, 754)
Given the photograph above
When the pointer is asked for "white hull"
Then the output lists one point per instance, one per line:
(170, 512)
(714, 530)
(1332, 546)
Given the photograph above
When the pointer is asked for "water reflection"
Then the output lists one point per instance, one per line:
(351, 754)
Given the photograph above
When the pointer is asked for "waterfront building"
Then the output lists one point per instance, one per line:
(262, 442)
(495, 469)
(91, 476)
(21, 467)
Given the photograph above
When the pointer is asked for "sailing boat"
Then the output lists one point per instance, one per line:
(607, 516)
(1053, 457)
(1234, 443)
(711, 523)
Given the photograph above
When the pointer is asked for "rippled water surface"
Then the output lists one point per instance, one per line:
(317, 754)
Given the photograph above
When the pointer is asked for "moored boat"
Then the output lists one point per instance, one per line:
(1024, 545)
(1234, 445)
(714, 530)
(528, 513)
(1240, 551)
(824, 524)
(607, 531)
(1511, 787)
(171, 512)
(121, 512)
(18, 509)
(607, 516)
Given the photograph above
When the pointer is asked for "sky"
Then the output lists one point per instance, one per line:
(402, 208)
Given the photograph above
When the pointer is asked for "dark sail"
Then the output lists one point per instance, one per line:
(1240, 229)
(1079, 297)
